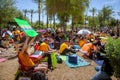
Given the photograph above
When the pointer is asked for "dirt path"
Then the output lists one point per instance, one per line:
(8, 69)
(62, 72)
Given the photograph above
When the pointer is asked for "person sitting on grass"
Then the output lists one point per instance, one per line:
(45, 48)
(65, 48)
(23, 56)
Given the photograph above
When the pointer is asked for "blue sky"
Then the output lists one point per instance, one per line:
(98, 4)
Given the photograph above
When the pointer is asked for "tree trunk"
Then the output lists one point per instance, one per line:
(39, 12)
(47, 21)
(72, 28)
(64, 23)
(64, 26)
(31, 17)
(54, 21)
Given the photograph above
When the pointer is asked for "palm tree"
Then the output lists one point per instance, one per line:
(32, 12)
(77, 11)
(105, 15)
(39, 2)
(47, 21)
(25, 12)
(54, 22)
(107, 12)
(93, 10)
(64, 9)
(50, 10)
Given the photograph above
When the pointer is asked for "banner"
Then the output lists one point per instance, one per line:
(28, 30)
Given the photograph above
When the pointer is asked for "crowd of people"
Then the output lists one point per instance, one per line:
(89, 45)
(8, 36)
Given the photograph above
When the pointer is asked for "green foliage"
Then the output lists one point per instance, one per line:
(112, 22)
(104, 15)
(113, 52)
(67, 9)
(8, 11)
(91, 21)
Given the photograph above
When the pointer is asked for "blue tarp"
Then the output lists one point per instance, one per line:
(80, 62)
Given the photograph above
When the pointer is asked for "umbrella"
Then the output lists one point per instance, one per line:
(84, 31)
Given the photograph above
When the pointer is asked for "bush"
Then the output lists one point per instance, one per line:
(112, 48)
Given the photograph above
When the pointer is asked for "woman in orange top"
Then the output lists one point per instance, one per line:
(25, 60)
(88, 49)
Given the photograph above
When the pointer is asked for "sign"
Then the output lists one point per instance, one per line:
(28, 30)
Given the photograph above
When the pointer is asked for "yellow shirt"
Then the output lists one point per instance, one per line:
(25, 60)
(17, 32)
(81, 43)
(44, 47)
(63, 46)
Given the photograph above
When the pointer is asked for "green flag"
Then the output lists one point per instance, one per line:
(28, 30)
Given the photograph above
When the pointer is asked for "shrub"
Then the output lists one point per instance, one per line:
(113, 52)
